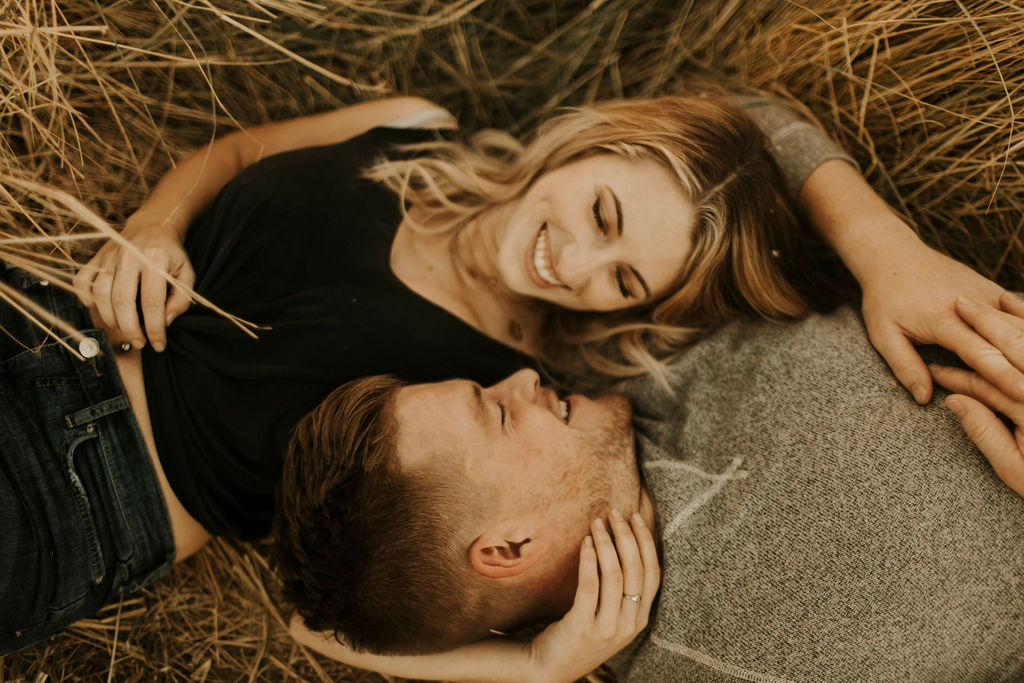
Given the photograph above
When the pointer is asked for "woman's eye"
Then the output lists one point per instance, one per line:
(598, 220)
(501, 407)
(626, 292)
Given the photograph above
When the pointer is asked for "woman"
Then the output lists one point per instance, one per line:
(217, 406)
(188, 424)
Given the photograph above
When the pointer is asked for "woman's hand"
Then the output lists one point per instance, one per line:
(116, 278)
(609, 610)
(910, 290)
(913, 299)
(976, 397)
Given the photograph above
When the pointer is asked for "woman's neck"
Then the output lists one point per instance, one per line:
(458, 272)
(474, 249)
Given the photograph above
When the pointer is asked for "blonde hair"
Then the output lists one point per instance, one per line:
(715, 152)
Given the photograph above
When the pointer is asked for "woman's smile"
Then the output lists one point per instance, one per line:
(539, 263)
(613, 233)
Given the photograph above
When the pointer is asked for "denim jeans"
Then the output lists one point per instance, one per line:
(82, 517)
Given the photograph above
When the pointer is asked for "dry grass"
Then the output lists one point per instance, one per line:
(97, 100)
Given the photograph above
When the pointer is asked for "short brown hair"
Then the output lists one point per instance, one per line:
(363, 548)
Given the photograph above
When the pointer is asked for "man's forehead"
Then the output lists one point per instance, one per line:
(436, 418)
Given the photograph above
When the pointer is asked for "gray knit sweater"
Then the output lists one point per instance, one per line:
(817, 525)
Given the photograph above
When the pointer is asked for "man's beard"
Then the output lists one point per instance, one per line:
(613, 450)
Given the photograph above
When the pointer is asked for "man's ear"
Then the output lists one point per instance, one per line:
(495, 556)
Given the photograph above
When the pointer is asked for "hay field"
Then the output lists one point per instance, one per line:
(98, 98)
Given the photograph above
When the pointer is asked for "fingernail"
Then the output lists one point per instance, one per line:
(170, 319)
(1012, 298)
(919, 392)
(954, 404)
(599, 524)
(639, 519)
(964, 301)
(588, 542)
(617, 516)
(138, 343)
(158, 346)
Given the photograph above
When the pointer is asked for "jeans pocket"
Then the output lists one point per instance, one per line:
(85, 553)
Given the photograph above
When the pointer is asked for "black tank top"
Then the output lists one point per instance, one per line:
(298, 243)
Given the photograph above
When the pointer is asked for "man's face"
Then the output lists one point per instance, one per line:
(522, 451)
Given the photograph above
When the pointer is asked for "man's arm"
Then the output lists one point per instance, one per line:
(976, 398)
(909, 289)
(601, 622)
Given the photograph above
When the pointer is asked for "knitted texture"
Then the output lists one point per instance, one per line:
(819, 525)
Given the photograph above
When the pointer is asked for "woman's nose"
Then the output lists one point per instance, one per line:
(578, 262)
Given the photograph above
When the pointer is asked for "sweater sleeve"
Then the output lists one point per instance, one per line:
(797, 145)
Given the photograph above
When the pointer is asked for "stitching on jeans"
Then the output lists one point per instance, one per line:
(114, 480)
(69, 448)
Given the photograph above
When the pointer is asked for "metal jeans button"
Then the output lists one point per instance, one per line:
(88, 347)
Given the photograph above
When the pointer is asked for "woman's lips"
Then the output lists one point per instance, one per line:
(538, 261)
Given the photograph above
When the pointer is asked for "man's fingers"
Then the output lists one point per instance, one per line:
(1000, 346)
(1012, 304)
(993, 439)
(972, 384)
(905, 362)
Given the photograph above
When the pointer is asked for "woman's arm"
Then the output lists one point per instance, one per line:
(116, 276)
(601, 622)
(910, 290)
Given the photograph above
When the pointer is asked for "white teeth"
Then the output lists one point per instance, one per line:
(563, 408)
(540, 259)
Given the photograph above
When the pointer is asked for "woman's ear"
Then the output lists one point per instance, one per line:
(496, 557)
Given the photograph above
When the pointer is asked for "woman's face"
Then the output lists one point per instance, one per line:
(599, 234)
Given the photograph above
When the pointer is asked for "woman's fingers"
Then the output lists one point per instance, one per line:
(651, 566)
(899, 353)
(1005, 451)
(584, 605)
(632, 567)
(123, 295)
(611, 572)
(178, 301)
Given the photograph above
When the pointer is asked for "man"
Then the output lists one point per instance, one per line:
(815, 525)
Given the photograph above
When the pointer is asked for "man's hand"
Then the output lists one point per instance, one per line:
(976, 397)
(609, 610)
(115, 278)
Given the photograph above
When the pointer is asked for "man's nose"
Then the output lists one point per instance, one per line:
(523, 384)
